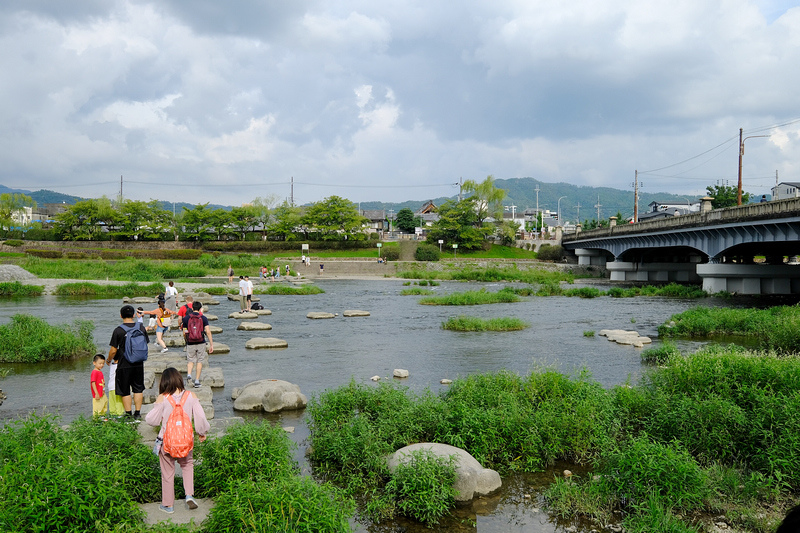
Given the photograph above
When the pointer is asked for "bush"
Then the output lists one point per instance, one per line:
(391, 253)
(13, 242)
(472, 298)
(46, 254)
(260, 453)
(550, 252)
(661, 354)
(422, 487)
(285, 505)
(471, 323)
(374, 236)
(84, 478)
(29, 339)
(427, 252)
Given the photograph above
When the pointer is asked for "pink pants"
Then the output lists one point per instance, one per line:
(167, 463)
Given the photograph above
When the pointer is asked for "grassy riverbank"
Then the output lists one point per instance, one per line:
(109, 291)
(711, 433)
(776, 328)
(17, 289)
(29, 339)
(91, 475)
(471, 298)
(488, 274)
(671, 290)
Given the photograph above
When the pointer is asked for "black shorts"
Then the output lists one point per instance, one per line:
(249, 297)
(130, 379)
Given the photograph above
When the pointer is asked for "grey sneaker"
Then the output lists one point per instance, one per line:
(166, 509)
(189, 378)
(191, 503)
(197, 384)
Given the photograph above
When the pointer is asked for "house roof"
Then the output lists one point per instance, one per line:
(374, 214)
(790, 183)
(428, 207)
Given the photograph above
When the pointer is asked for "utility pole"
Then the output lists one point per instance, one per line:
(291, 192)
(578, 216)
(741, 153)
(537, 210)
(598, 206)
(460, 187)
(635, 196)
(120, 189)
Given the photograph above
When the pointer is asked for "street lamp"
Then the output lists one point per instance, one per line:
(455, 246)
(379, 250)
(440, 245)
(741, 153)
(558, 210)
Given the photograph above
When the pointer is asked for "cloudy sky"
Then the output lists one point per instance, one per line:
(211, 101)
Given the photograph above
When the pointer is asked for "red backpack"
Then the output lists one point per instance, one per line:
(178, 433)
(194, 329)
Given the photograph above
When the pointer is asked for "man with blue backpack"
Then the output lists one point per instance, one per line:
(128, 348)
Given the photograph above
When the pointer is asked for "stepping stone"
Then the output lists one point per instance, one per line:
(240, 316)
(210, 318)
(253, 326)
(316, 315)
(139, 300)
(261, 312)
(355, 312)
(220, 348)
(265, 342)
(400, 373)
(215, 330)
(209, 301)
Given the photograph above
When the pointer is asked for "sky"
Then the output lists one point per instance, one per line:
(207, 101)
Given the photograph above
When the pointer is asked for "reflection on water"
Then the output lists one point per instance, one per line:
(400, 333)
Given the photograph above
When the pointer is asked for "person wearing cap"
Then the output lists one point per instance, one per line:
(163, 320)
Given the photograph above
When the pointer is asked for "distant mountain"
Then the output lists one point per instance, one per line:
(521, 192)
(44, 196)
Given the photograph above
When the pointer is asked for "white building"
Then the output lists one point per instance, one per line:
(786, 189)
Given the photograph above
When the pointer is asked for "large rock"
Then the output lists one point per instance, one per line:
(215, 330)
(220, 348)
(253, 326)
(316, 315)
(471, 478)
(261, 312)
(270, 395)
(210, 318)
(258, 343)
(354, 312)
(239, 316)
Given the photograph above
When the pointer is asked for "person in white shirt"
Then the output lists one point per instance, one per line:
(242, 294)
(249, 292)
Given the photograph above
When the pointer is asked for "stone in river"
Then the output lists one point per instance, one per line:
(243, 315)
(319, 314)
(354, 312)
(253, 326)
(265, 342)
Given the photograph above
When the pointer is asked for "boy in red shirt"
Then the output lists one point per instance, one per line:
(97, 384)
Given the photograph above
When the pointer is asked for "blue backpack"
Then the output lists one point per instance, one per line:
(135, 343)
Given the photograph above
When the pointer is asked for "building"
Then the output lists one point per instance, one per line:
(786, 189)
(662, 210)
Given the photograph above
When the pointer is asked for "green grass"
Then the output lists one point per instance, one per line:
(661, 354)
(359, 253)
(122, 270)
(29, 339)
(16, 289)
(218, 290)
(283, 289)
(712, 432)
(471, 323)
(109, 291)
(496, 252)
(415, 291)
(471, 298)
(775, 328)
(489, 274)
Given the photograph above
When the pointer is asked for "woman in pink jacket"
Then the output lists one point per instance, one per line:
(172, 385)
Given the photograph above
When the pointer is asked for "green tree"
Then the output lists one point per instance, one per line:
(405, 220)
(222, 223)
(284, 222)
(81, 221)
(11, 204)
(725, 196)
(264, 206)
(244, 219)
(488, 199)
(198, 222)
(335, 218)
(457, 224)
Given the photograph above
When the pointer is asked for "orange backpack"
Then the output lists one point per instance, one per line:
(178, 433)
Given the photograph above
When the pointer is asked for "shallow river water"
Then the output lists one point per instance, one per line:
(400, 333)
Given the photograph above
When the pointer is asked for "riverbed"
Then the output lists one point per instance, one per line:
(399, 333)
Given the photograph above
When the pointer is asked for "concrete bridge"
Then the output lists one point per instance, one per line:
(749, 249)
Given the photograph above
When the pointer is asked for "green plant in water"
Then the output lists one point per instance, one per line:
(15, 288)
(283, 290)
(415, 291)
(4, 372)
(471, 323)
(661, 354)
(109, 291)
(633, 320)
(29, 339)
(588, 333)
(422, 486)
(472, 298)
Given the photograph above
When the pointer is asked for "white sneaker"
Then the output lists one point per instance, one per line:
(164, 350)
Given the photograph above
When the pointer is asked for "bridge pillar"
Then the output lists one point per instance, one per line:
(750, 279)
(591, 257)
(662, 272)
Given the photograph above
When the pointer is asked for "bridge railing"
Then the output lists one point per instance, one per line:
(760, 211)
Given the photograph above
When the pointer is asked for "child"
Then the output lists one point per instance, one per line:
(99, 400)
(115, 407)
(172, 385)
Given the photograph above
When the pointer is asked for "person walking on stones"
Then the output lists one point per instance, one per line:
(196, 331)
(171, 396)
(242, 294)
(171, 295)
(163, 322)
(129, 376)
(248, 292)
(230, 273)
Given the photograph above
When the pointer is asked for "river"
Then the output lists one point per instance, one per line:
(399, 333)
